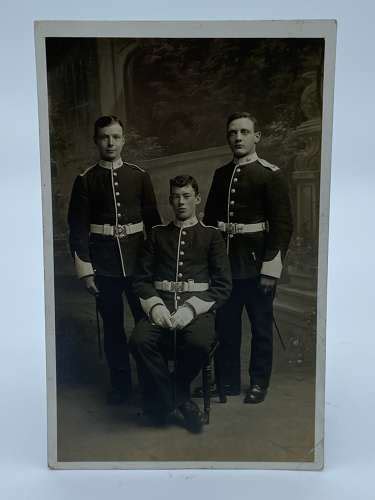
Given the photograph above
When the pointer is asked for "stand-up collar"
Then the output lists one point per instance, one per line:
(186, 223)
(246, 159)
(111, 165)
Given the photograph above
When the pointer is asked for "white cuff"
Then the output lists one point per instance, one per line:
(273, 267)
(200, 306)
(148, 304)
(83, 268)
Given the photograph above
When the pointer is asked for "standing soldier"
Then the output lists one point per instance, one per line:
(112, 204)
(248, 201)
(184, 275)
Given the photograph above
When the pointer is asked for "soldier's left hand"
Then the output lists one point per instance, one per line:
(267, 284)
(182, 317)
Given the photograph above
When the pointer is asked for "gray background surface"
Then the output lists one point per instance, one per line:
(350, 341)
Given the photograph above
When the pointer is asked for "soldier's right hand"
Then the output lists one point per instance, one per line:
(90, 286)
(161, 316)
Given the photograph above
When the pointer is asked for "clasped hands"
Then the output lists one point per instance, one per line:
(161, 316)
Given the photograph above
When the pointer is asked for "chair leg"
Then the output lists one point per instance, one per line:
(206, 378)
(219, 380)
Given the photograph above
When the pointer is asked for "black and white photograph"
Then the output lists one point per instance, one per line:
(185, 171)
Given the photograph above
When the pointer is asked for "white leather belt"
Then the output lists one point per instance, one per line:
(236, 228)
(118, 231)
(180, 286)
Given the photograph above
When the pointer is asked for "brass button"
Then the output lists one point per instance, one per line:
(232, 190)
(118, 204)
(183, 233)
(119, 215)
(178, 297)
(182, 252)
(232, 202)
(231, 236)
(116, 183)
(238, 170)
(117, 193)
(231, 214)
(180, 263)
(115, 174)
(235, 179)
(182, 243)
(180, 275)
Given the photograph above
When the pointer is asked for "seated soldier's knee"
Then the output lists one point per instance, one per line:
(200, 346)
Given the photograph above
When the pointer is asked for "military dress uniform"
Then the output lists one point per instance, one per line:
(182, 263)
(111, 207)
(249, 203)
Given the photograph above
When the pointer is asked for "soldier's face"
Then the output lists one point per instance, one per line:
(184, 202)
(241, 137)
(110, 141)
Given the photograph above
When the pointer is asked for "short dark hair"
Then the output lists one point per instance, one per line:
(243, 114)
(182, 181)
(105, 121)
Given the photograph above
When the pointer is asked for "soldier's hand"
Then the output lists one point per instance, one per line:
(267, 284)
(161, 316)
(89, 282)
(182, 317)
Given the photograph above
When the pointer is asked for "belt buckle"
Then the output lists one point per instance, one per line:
(120, 231)
(232, 227)
(177, 286)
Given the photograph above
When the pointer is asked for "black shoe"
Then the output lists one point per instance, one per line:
(193, 417)
(255, 394)
(116, 397)
(229, 390)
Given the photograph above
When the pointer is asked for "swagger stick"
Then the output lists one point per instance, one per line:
(174, 357)
(98, 330)
(279, 334)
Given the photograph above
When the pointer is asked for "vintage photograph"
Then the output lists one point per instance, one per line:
(185, 201)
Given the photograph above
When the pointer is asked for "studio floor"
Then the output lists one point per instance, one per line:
(279, 429)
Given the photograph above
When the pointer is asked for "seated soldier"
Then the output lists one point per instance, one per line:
(183, 276)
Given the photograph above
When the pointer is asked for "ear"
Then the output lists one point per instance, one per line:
(170, 199)
(258, 135)
(198, 199)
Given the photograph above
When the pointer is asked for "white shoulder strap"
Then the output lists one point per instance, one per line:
(267, 164)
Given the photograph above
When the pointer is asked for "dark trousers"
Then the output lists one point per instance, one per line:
(259, 306)
(152, 346)
(111, 308)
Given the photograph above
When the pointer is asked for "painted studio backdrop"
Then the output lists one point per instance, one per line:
(174, 96)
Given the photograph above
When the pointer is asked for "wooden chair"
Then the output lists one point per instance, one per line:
(206, 382)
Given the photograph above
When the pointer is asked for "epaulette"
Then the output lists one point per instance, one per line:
(135, 166)
(87, 170)
(267, 164)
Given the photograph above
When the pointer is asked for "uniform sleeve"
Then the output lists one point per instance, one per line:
(210, 216)
(220, 278)
(143, 281)
(150, 213)
(280, 225)
(79, 228)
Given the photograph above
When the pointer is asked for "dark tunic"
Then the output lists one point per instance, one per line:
(247, 194)
(104, 196)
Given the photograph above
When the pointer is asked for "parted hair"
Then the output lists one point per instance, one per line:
(243, 114)
(105, 121)
(182, 181)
